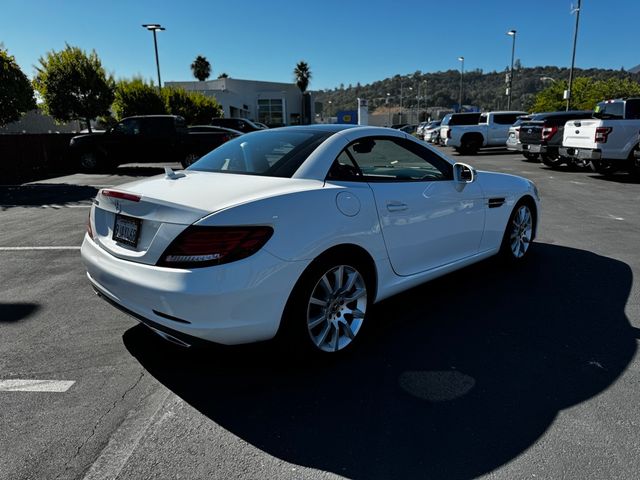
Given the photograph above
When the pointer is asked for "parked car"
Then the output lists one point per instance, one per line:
(298, 231)
(492, 130)
(431, 133)
(150, 138)
(608, 140)
(410, 129)
(453, 119)
(241, 124)
(542, 135)
(513, 140)
(398, 126)
(420, 129)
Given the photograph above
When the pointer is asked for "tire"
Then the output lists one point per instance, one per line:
(552, 161)
(327, 312)
(518, 234)
(469, 146)
(530, 157)
(189, 159)
(604, 167)
(90, 161)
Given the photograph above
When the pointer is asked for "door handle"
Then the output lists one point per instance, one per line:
(396, 206)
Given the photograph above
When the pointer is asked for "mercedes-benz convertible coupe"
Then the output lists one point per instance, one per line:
(298, 231)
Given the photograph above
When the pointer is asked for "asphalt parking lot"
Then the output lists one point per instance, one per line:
(492, 372)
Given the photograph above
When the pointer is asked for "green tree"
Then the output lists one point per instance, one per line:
(16, 92)
(136, 97)
(223, 75)
(302, 75)
(74, 85)
(195, 107)
(586, 92)
(201, 68)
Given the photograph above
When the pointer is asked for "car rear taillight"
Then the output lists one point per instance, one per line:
(121, 195)
(88, 226)
(549, 132)
(602, 134)
(517, 134)
(199, 246)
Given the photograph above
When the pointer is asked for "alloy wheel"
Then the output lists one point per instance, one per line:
(521, 231)
(336, 308)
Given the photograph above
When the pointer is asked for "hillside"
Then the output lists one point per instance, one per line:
(441, 89)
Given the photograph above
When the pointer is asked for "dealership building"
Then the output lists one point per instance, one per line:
(272, 103)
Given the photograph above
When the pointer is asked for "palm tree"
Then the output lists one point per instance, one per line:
(201, 68)
(302, 75)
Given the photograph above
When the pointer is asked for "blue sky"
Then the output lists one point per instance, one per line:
(344, 41)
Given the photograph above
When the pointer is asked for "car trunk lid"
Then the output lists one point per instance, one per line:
(581, 133)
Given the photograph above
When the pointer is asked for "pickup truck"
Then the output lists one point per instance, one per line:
(492, 130)
(542, 135)
(451, 119)
(607, 141)
(149, 138)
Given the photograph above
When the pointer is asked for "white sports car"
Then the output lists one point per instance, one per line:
(297, 230)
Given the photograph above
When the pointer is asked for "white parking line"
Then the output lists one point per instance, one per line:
(15, 249)
(18, 385)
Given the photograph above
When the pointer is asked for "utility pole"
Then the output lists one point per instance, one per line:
(511, 33)
(573, 56)
(461, 59)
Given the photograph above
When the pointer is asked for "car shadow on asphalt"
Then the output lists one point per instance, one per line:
(619, 177)
(458, 376)
(39, 195)
(15, 312)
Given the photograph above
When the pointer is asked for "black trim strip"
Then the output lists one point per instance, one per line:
(170, 317)
(153, 325)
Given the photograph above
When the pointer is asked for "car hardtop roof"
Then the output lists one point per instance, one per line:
(333, 128)
(562, 113)
(517, 112)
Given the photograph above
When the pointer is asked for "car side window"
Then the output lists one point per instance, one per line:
(386, 159)
(130, 126)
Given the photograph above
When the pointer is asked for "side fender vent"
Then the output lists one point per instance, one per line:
(496, 202)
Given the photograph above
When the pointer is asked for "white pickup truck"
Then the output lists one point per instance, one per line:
(607, 141)
(492, 130)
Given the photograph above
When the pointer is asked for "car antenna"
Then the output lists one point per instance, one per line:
(171, 174)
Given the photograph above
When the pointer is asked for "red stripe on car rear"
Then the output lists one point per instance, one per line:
(122, 195)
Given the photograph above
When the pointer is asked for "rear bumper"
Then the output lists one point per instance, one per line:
(580, 153)
(514, 147)
(534, 148)
(240, 302)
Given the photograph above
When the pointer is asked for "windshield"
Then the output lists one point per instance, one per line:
(272, 153)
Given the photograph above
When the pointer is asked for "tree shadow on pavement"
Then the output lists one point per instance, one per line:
(14, 312)
(458, 377)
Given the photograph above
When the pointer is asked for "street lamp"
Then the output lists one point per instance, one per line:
(461, 59)
(388, 111)
(573, 56)
(154, 27)
(329, 112)
(512, 34)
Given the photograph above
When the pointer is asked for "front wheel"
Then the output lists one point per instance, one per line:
(328, 309)
(89, 161)
(519, 233)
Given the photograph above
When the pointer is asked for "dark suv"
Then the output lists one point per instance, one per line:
(543, 135)
(241, 124)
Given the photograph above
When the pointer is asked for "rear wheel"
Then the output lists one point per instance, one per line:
(530, 157)
(604, 167)
(518, 235)
(551, 160)
(327, 312)
(470, 145)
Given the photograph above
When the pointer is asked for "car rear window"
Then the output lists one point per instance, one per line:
(613, 110)
(265, 152)
(464, 119)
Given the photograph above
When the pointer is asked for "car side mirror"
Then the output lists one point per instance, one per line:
(463, 173)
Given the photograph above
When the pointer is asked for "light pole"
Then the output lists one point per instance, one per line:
(512, 34)
(573, 55)
(329, 112)
(461, 59)
(154, 27)
(388, 111)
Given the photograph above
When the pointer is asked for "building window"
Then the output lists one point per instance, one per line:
(271, 111)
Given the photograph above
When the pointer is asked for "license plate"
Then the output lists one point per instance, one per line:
(534, 148)
(126, 230)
